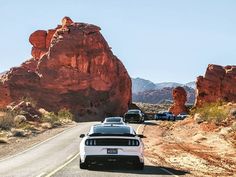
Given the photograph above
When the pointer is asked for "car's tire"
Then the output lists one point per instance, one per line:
(139, 166)
(168, 118)
(141, 121)
(83, 165)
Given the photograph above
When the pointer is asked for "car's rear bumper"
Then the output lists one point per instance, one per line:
(112, 159)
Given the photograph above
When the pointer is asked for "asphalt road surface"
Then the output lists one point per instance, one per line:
(59, 157)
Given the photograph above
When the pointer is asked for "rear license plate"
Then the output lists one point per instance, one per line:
(112, 151)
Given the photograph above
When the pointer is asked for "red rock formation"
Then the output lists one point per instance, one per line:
(66, 21)
(38, 40)
(41, 40)
(77, 70)
(180, 98)
(219, 84)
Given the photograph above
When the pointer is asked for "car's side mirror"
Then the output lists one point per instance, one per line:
(82, 135)
(141, 136)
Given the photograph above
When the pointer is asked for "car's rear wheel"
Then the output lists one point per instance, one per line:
(83, 165)
(139, 166)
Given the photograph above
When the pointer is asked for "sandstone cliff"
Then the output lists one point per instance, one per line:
(218, 84)
(72, 67)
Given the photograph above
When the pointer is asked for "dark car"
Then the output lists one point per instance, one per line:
(134, 115)
(165, 116)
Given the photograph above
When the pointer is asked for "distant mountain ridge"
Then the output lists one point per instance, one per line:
(140, 85)
(148, 92)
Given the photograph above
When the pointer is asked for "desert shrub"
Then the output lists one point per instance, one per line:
(62, 116)
(29, 99)
(65, 114)
(24, 126)
(212, 112)
(50, 117)
(7, 120)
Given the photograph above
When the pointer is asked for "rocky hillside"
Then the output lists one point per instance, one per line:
(160, 96)
(199, 145)
(148, 92)
(140, 85)
(72, 67)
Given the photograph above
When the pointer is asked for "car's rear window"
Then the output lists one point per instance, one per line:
(133, 112)
(111, 130)
(113, 120)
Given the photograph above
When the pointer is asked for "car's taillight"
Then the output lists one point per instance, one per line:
(90, 142)
(133, 143)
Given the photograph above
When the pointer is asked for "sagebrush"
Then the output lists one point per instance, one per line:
(7, 120)
(212, 112)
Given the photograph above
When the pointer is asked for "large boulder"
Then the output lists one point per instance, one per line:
(77, 71)
(180, 97)
(219, 84)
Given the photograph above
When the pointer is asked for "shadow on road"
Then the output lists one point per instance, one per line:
(149, 123)
(145, 123)
(148, 170)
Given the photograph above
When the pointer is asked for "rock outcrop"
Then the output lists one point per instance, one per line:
(219, 84)
(180, 98)
(72, 67)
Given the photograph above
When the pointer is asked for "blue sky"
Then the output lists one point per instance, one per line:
(159, 40)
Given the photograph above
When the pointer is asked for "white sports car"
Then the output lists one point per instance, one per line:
(111, 144)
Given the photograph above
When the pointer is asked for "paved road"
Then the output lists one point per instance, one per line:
(57, 157)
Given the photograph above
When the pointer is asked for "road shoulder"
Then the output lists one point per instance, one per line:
(20, 144)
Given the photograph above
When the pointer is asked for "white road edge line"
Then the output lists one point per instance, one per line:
(70, 156)
(37, 144)
(138, 128)
(63, 165)
(163, 169)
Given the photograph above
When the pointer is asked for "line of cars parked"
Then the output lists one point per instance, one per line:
(112, 141)
(136, 115)
(166, 115)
